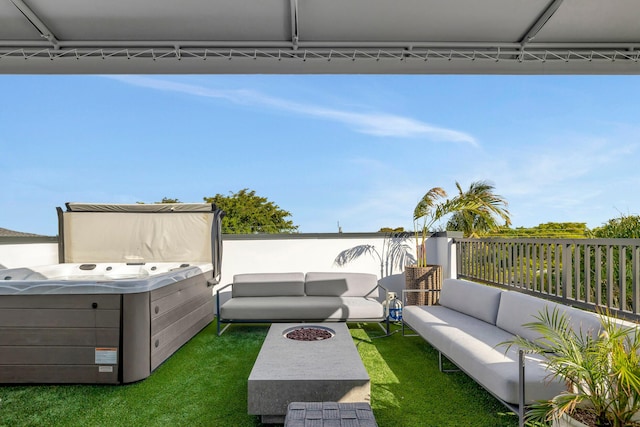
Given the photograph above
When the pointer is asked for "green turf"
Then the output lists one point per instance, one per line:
(205, 384)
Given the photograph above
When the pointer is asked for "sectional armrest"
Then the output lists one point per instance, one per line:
(386, 291)
(224, 287)
(218, 298)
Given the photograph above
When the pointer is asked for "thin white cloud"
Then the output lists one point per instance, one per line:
(374, 123)
(559, 165)
(570, 177)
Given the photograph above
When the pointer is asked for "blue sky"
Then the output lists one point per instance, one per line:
(358, 150)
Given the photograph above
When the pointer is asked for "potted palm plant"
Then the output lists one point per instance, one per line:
(423, 276)
(602, 371)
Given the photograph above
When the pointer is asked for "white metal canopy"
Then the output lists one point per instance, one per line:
(320, 36)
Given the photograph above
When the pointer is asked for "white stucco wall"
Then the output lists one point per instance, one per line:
(28, 254)
(279, 253)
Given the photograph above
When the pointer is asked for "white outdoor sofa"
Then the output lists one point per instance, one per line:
(296, 297)
(470, 323)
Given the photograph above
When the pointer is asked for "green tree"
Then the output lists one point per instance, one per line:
(391, 230)
(549, 230)
(164, 200)
(247, 213)
(627, 227)
(624, 227)
(481, 210)
(169, 200)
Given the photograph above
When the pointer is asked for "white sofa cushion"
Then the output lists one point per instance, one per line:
(433, 323)
(341, 284)
(267, 285)
(517, 309)
(473, 299)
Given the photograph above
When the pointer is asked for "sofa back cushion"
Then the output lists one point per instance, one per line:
(341, 284)
(517, 309)
(473, 299)
(268, 285)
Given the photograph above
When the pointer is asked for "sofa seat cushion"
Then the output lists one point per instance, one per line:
(267, 285)
(445, 328)
(302, 309)
(474, 299)
(474, 346)
(435, 323)
(341, 284)
(497, 371)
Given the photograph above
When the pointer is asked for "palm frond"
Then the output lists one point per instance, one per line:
(428, 201)
(478, 210)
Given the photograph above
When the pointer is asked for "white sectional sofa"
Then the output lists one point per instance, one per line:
(296, 297)
(472, 321)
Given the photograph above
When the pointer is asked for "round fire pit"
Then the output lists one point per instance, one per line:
(308, 333)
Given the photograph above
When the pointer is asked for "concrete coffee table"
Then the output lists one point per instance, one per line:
(286, 370)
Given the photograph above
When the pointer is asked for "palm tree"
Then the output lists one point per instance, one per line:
(481, 211)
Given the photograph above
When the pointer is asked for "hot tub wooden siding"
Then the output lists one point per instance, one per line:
(55, 338)
(178, 312)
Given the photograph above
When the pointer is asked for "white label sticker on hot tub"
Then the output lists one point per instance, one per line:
(105, 368)
(106, 356)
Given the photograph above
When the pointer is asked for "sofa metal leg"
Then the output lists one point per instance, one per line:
(384, 328)
(440, 365)
(404, 334)
(221, 331)
(521, 399)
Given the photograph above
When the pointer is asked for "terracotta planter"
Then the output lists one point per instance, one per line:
(429, 277)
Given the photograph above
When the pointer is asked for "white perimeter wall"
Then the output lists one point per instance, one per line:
(278, 253)
(28, 254)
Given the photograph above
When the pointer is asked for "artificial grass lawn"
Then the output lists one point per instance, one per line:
(205, 384)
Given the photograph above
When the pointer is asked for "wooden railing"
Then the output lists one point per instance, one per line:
(587, 273)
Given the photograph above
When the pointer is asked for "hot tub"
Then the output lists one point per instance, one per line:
(87, 278)
(110, 322)
(98, 323)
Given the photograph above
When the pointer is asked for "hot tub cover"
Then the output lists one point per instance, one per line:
(140, 207)
(139, 233)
